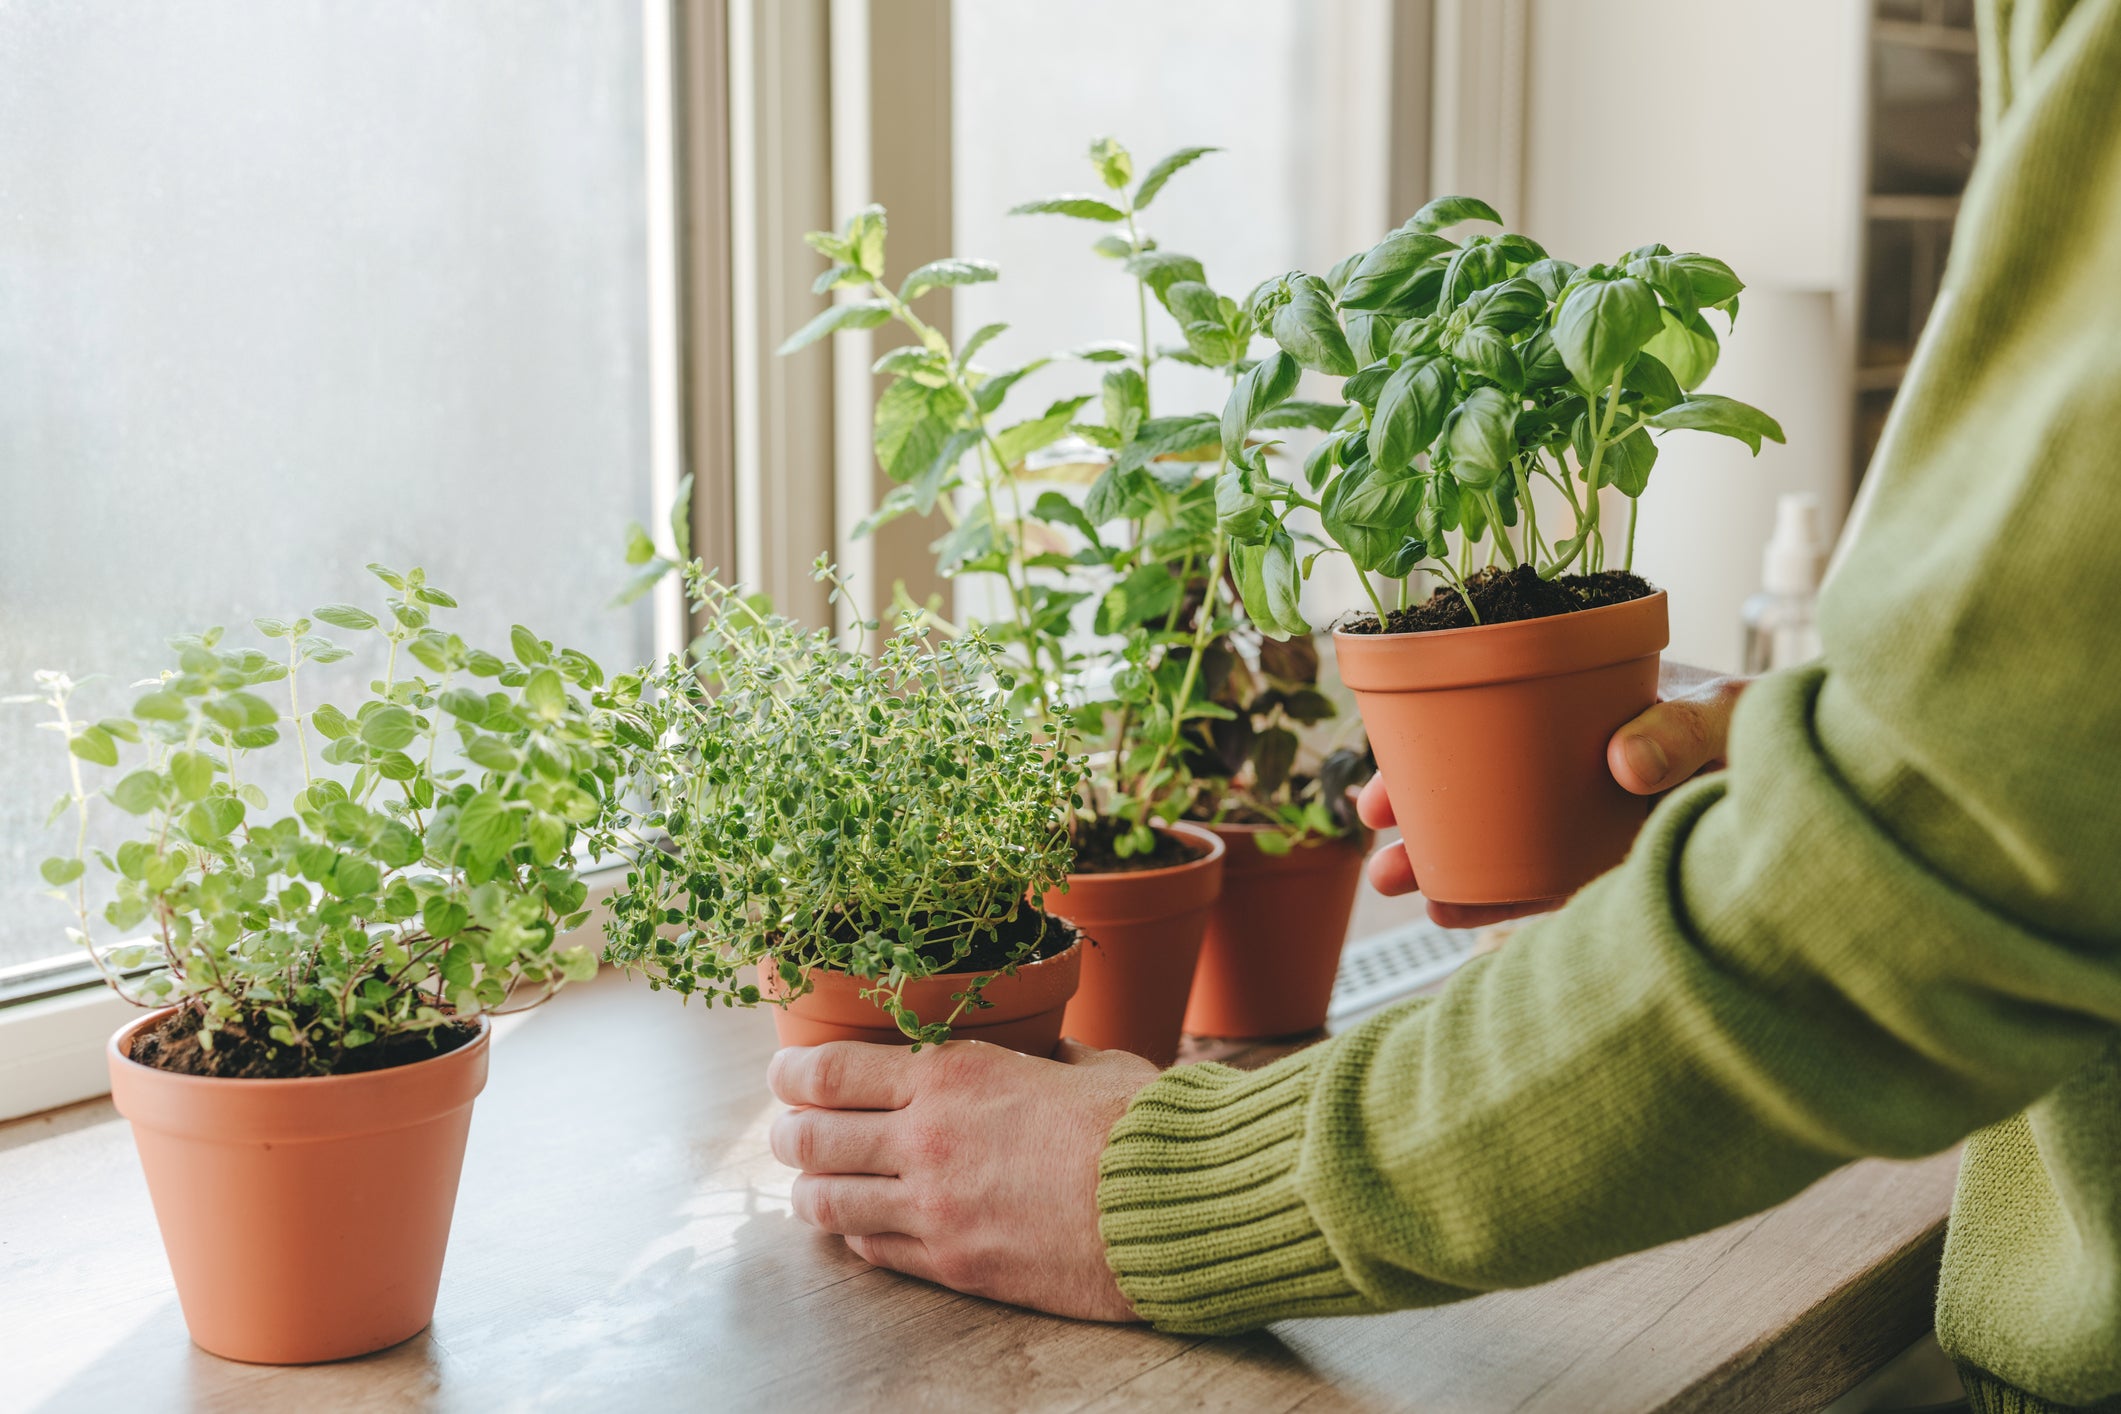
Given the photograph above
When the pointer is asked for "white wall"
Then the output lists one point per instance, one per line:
(1731, 129)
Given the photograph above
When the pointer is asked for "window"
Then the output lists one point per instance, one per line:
(286, 289)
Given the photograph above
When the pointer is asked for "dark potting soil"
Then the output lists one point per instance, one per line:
(173, 1044)
(993, 949)
(1508, 596)
(1094, 852)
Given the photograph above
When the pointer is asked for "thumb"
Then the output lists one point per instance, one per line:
(1675, 739)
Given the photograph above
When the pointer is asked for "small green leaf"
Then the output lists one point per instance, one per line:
(346, 616)
(545, 694)
(94, 744)
(1447, 211)
(1153, 180)
(389, 729)
(1603, 324)
(193, 773)
(1264, 385)
(1307, 328)
(861, 314)
(1708, 412)
(139, 792)
(486, 825)
(59, 872)
(443, 917)
(639, 548)
(161, 705)
(937, 274)
(1083, 208)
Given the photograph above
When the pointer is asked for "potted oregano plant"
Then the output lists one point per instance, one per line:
(861, 843)
(1275, 782)
(317, 979)
(1483, 377)
(1146, 574)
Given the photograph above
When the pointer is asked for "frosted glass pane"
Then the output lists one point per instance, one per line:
(288, 287)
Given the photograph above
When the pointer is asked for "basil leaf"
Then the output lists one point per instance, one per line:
(1707, 412)
(1603, 324)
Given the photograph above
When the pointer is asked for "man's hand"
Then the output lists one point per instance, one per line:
(967, 1165)
(1680, 737)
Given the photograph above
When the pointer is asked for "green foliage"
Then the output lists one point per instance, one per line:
(1149, 572)
(1275, 758)
(823, 809)
(398, 892)
(1472, 370)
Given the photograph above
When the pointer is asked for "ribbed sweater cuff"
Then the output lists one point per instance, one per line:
(1202, 1221)
(1985, 1394)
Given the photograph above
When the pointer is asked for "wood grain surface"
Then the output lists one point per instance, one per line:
(623, 1241)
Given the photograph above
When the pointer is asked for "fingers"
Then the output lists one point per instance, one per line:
(1675, 739)
(843, 1075)
(837, 1141)
(852, 1205)
(1373, 806)
(897, 1252)
(1484, 915)
(1390, 872)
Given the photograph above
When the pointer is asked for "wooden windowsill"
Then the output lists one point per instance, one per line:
(623, 1240)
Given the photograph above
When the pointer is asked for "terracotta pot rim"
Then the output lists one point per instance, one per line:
(1491, 655)
(1441, 635)
(1200, 834)
(119, 1048)
(1022, 968)
(1247, 830)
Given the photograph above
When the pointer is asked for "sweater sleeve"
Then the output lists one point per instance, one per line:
(1894, 920)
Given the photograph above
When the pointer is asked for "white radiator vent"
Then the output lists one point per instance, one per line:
(1387, 966)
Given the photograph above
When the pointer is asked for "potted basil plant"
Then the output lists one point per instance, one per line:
(317, 979)
(1276, 787)
(1482, 377)
(861, 843)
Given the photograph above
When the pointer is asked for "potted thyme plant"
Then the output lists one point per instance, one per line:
(1479, 373)
(1294, 849)
(1107, 631)
(859, 842)
(317, 981)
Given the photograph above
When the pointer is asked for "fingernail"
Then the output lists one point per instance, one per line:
(1647, 758)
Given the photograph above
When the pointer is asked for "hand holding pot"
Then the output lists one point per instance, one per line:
(1679, 738)
(966, 1165)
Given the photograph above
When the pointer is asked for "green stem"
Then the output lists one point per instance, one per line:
(1141, 308)
(1375, 602)
(294, 707)
(1202, 629)
(1590, 470)
(1634, 509)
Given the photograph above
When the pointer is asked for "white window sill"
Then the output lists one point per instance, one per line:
(51, 1050)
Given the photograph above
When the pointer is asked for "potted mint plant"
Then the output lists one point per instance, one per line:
(1106, 636)
(1483, 376)
(317, 979)
(859, 842)
(1294, 850)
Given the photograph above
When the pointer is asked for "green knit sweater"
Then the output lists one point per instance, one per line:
(1894, 922)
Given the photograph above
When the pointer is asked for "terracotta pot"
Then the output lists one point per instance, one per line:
(1025, 1015)
(1274, 937)
(305, 1220)
(1491, 741)
(1144, 933)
